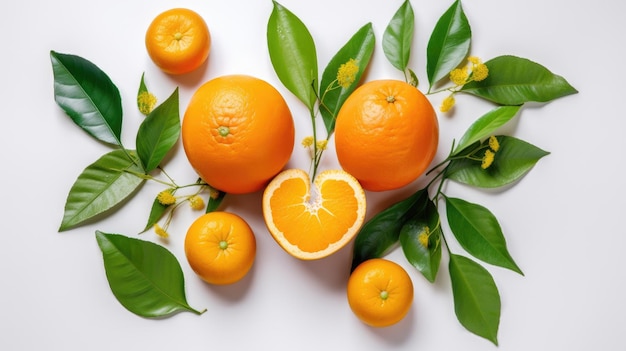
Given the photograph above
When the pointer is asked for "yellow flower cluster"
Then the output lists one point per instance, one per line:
(347, 73)
(161, 232)
(196, 202)
(423, 237)
(166, 198)
(146, 102)
(307, 141)
(447, 103)
(490, 153)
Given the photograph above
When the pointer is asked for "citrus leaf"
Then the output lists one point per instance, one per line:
(156, 213)
(88, 97)
(398, 36)
(479, 233)
(158, 133)
(214, 202)
(144, 277)
(476, 298)
(293, 54)
(142, 86)
(514, 80)
(449, 43)
(359, 48)
(102, 185)
(382, 231)
(486, 126)
(425, 258)
(512, 161)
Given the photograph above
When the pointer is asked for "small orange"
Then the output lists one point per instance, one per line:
(312, 224)
(238, 133)
(380, 292)
(386, 134)
(220, 247)
(178, 41)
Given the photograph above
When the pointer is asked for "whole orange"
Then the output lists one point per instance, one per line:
(386, 134)
(238, 133)
(178, 41)
(220, 247)
(380, 292)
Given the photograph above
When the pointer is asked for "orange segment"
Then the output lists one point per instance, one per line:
(313, 222)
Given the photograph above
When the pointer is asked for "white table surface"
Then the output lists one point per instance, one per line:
(563, 222)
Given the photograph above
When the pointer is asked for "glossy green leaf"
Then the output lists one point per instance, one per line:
(156, 213)
(486, 126)
(426, 258)
(142, 89)
(102, 185)
(476, 298)
(158, 133)
(144, 277)
(514, 80)
(512, 161)
(479, 233)
(214, 202)
(293, 54)
(449, 43)
(398, 36)
(382, 231)
(88, 96)
(359, 48)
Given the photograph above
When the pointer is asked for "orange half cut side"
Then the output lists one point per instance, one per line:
(313, 222)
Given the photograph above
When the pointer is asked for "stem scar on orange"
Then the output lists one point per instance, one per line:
(238, 133)
(312, 224)
(178, 41)
(386, 134)
(380, 292)
(220, 247)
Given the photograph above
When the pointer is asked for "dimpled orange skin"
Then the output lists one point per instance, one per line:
(386, 134)
(220, 247)
(238, 133)
(380, 292)
(178, 41)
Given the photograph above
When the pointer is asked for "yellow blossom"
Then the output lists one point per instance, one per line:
(480, 72)
(493, 143)
(459, 76)
(347, 73)
(166, 197)
(213, 193)
(475, 60)
(322, 144)
(307, 141)
(423, 237)
(196, 202)
(160, 231)
(146, 102)
(447, 103)
(487, 159)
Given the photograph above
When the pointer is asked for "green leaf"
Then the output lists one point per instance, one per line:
(425, 258)
(398, 37)
(486, 125)
(293, 54)
(214, 203)
(476, 297)
(102, 185)
(513, 81)
(142, 85)
(156, 213)
(382, 231)
(144, 277)
(158, 133)
(88, 96)
(449, 43)
(479, 233)
(512, 161)
(359, 48)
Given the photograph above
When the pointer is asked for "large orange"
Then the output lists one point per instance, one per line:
(220, 247)
(380, 292)
(386, 134)
(178, 41)
(238, 133)
(313, 223)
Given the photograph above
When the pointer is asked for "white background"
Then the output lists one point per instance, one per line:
(563, 221)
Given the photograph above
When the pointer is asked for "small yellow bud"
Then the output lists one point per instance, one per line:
(487, 159)
(160, 231)
(307, 141)
(494, 144)
(322, 144)
(146, 102)
(347, 73)
(480, 72)
(166, 197)
(214, 193)
(459, 76)
(422, 238)
(447, 103)
(474, 60)
(196, 202)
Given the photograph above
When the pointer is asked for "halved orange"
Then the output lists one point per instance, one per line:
(312, 222)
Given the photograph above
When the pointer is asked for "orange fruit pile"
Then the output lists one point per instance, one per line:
(386, 134)
(178, 41)
(380, 292)
(237, 133)
(220, 247)
(313, 223)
